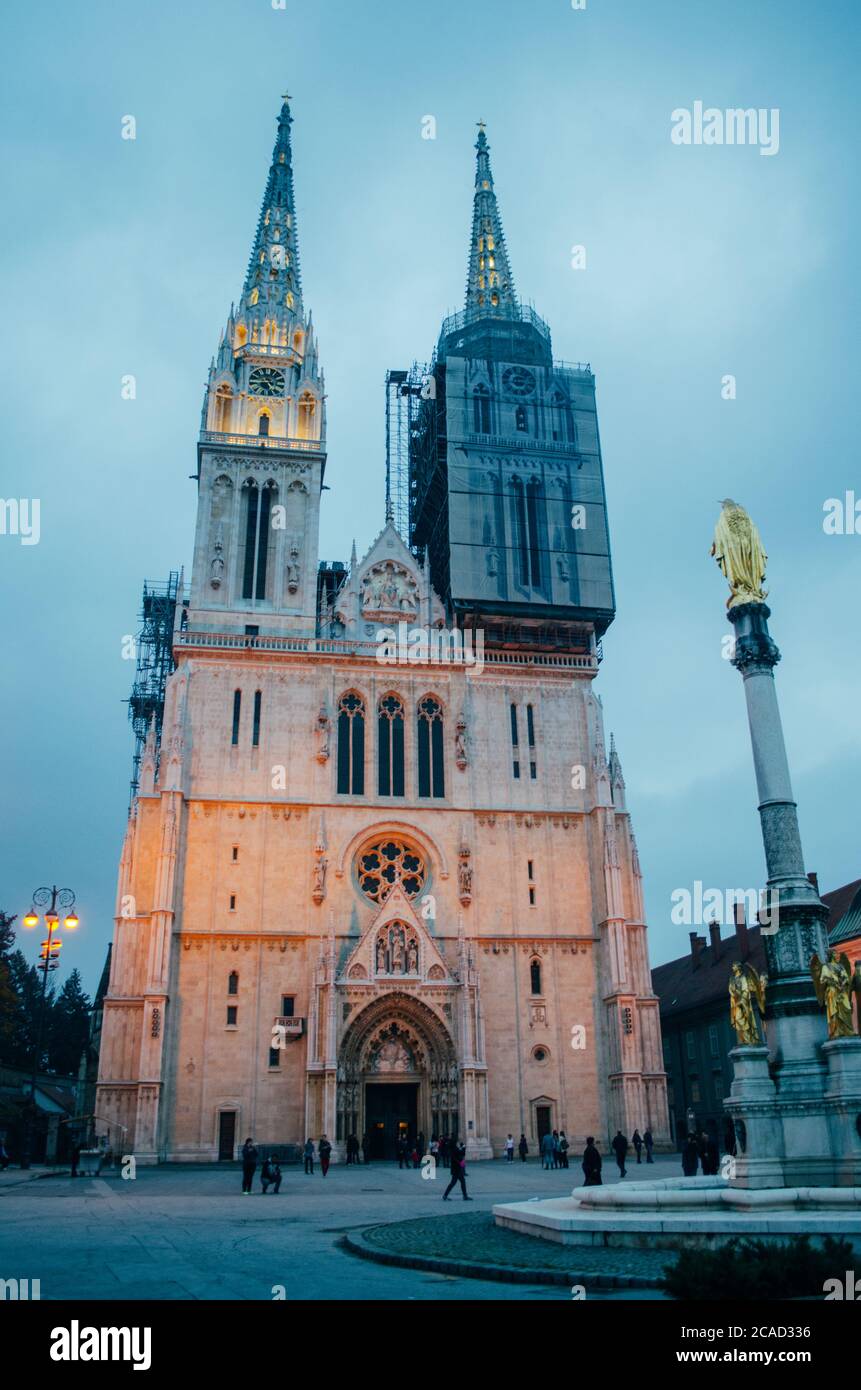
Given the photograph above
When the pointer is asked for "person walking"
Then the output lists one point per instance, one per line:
(443, 1149)
(509, 1148)
(308, 1153)
(563, 1148)
(352, 1149)
(325, 1151)
(637, 1141)
(249, 1165)
(458, 1171)
(591, 1164)
(620, 1149)
(690, 1157)
(649, 1144)
(434, 1151)
(420, 1147)
(709, 1154)
(555, 1148)
(523, 1148)
(547, 1150)
(401, 1150)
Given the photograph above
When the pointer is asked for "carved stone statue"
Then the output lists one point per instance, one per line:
(460, 744)
(320, 877)
(324, 729)
(835, 982)
(293, 570)
(464, 873)
(412, 956)
(397, 953)
(381, 956)
(216, 567)
(746, 996)
(738, 550)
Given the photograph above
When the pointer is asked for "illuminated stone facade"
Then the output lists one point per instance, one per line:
(360, 891)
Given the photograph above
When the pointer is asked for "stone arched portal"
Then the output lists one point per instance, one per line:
(397, 1067)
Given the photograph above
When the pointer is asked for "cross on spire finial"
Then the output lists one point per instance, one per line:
(482, 125)
(285, 96)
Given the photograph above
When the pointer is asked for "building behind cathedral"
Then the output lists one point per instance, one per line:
(379, 876)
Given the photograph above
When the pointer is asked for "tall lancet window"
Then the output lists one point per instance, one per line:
(390, 746)
(351, 745)
(533, 499)
(481, 410)
(430, 748)
(521, 533)
(257, 539)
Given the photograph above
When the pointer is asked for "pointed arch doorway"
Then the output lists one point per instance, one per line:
(397, 1075)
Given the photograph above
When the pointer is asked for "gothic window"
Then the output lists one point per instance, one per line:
(233, 983)
(535, 976)
(430, 748)
(232, 1015)
(481, 410)
(520, 418)
(530, 732)
(530, 870)
(521, 531)
(532, 501)
(515, 743)
(257, 538)
(237, 710)
(307, 408)
(263, 423)
(351, 745)
(390, 746)
(383, 863)
(255, 731)
(566, 416)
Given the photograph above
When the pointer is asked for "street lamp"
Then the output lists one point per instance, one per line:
(50, 899)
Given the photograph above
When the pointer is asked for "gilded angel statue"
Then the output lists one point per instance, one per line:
(738, 550)
(746, 996)
(834, 982)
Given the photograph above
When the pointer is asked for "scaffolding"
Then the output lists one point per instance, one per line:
(154, 649)
(404, 393)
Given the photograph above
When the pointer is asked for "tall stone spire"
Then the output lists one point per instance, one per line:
(273, 287)
(489, 285)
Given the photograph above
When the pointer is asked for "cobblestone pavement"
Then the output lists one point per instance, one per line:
(473, 1236)
(188, 1233)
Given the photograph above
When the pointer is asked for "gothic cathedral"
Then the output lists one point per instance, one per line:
(379, 877)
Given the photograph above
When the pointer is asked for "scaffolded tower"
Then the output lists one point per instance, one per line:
(405, 391)
(154, 664)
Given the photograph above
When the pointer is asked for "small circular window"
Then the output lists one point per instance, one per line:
(540, 1054)
(383, 863)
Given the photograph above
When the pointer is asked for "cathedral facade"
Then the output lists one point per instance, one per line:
(379, 877)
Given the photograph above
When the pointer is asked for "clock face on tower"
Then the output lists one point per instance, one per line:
(518, 381)
(266, 381)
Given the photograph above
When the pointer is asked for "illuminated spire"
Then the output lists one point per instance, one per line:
(489, 285)
(273, 287)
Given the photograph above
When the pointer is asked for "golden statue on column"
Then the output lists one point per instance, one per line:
(738, 550)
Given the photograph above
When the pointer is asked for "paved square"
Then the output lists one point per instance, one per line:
(177, 1233)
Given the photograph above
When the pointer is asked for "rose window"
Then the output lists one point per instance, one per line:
(387, 862)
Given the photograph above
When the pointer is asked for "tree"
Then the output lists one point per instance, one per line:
(26, 981)
(9, 1002)
(68, 1027)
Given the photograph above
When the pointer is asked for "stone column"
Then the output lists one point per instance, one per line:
(794, 922)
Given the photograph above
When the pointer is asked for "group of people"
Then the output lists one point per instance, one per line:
(700, 1150)
(639, 1142)
(270, 1173)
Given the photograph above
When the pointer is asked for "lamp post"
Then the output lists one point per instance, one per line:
(50, 899)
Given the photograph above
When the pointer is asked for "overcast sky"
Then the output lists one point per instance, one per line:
(701, 261)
